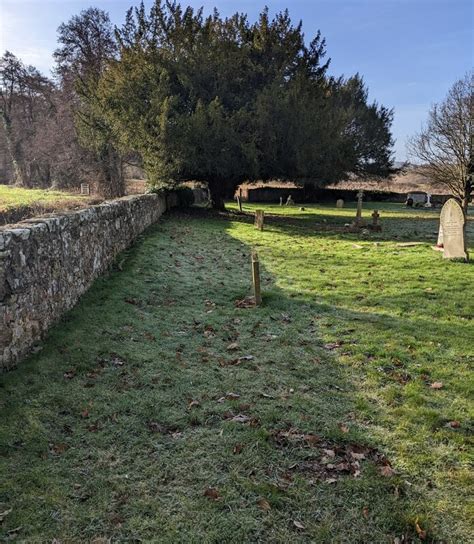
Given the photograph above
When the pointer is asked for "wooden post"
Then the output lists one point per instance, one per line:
(358, 219)
(239, 203)
(256, 279)
(240, 199)
(259, 215)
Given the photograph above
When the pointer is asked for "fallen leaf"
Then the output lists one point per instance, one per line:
(263, 504)
(58, 448)
(238, 449)
(69, 374)
(241, 418)
(387, 471)
(358, 456)
(247, 302)
(331, 346)
(436, 385)
(365, 512)
(233, 346)
(298, 525)
(453, 424)
(419, 530)
(331, 480)
(212, 493)
(85, 413)
(344, 428)
(311, 439)
(194, 403)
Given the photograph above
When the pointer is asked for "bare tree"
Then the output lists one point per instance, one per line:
(444, 145)
(25, 105)
(87, 44)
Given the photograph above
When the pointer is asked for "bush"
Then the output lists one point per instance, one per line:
(185, 197)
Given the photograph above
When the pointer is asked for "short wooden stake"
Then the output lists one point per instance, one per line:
(259, 216)
(256, 279)
(240, 199)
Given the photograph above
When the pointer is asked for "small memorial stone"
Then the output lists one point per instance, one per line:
(85, 189)
(339, 203)
(452, 227)
(376, 227)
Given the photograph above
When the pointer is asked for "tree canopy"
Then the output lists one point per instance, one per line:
(224, 100)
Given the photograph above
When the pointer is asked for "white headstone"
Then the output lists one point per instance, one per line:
(339, 203)
(452, 223)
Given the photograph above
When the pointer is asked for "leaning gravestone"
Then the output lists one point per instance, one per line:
(452, 225)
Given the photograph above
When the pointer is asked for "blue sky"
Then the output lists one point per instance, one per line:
(409, 51)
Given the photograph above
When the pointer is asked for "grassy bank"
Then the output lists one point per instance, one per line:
(17, 203)
(339, 411)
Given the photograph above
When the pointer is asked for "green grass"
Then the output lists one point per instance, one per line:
(13, 197)
(120, 424)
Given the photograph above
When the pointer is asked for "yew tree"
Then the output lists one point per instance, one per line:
(223, 100)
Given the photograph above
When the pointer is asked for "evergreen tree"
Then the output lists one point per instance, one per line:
(223, 101)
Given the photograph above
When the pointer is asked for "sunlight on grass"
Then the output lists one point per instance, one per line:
(156, 388)
(12, 197)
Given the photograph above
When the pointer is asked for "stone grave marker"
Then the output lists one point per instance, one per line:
(358, 218)
(376, 226)
(85, 189)
(259, 216)
(452, 227)
(339, 203)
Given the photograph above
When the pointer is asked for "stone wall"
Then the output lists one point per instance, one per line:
(47, 263)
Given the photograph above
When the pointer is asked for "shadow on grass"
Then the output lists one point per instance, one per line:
(156, 389)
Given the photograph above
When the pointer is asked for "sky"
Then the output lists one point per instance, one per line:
(409, 52)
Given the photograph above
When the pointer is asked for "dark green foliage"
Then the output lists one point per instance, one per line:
(185, 196)
(223, 101)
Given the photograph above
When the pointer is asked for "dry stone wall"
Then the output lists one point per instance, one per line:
(47, 263)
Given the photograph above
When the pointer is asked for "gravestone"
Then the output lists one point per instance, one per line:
(85, 189)
(290, 201)
(452, 227)
(281, 201)
(358, 219)
(375, 226)
(339, 203)
(259, 216)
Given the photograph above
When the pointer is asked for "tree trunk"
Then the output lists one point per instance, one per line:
(467, 195)
(111, 184)
(216, 188)
(17, 174)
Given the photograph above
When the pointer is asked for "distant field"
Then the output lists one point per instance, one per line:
(17, 204)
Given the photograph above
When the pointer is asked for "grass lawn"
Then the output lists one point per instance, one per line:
(339, 411)
(17, 203)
